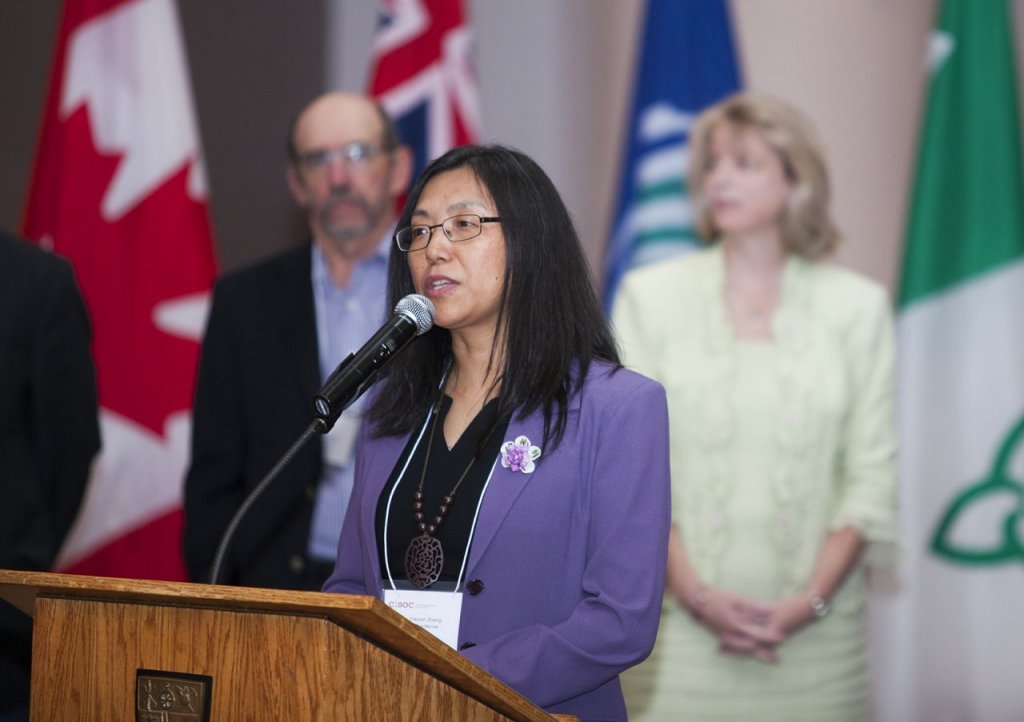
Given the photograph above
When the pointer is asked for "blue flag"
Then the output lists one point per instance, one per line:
(687, 62)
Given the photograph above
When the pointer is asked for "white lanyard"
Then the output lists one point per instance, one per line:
(387, 510)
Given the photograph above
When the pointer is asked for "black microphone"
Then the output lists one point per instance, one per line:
(414, 315)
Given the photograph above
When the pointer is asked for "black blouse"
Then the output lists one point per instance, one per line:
(482, 439)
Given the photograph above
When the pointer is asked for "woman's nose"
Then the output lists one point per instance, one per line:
(439, 246)
(719, 175)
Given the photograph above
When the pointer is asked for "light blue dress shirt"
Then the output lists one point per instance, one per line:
(345, 319)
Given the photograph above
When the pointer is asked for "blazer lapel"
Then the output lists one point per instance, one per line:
(505, 487)
(502, 491)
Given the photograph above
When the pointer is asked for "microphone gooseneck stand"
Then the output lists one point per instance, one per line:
(225, 542)
(414, 315)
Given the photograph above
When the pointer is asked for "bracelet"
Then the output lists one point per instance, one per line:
(819, 605)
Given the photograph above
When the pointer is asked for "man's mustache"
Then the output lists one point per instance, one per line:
(348, 196)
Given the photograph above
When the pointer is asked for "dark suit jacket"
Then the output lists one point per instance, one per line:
(49, 428)
(259, 370)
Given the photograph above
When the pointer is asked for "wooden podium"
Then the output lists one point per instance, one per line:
(120, 650)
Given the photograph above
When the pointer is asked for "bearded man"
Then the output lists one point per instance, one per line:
(275, 333)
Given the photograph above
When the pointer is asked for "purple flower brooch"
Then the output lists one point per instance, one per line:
(519, 455)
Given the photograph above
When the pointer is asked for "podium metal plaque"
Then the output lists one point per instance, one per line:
(172, 696)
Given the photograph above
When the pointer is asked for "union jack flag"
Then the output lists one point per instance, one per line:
(422, 73)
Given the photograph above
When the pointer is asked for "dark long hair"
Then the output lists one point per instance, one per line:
(550, 319)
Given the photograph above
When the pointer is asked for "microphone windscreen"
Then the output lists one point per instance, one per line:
(417, 309)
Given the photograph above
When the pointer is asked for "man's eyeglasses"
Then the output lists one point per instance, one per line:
(457, 228)
(354, 155)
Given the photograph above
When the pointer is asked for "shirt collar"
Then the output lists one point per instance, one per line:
(378, 257)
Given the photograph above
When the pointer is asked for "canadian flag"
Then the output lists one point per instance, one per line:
(120, 189)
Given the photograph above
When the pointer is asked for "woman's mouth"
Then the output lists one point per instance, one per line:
(438, 286)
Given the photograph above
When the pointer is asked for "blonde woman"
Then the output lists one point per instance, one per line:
(778, 369)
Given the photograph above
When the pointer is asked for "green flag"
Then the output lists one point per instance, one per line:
(950, 640)
(967, 215)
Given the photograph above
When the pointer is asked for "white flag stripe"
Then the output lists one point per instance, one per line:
(967, 345)
(183, 317)
(138, 476)
(667, 164)
(670, 212)
(656, 252)
(664, 119)
(409, 19)
(934, 654)
(457, 61)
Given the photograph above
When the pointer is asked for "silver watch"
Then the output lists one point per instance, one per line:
(820, 605)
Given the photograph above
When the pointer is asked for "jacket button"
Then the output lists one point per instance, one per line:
(474, 587)
(466, 645)
(311, 492)
(297, 564)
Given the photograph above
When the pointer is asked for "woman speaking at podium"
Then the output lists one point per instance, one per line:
(512, 481)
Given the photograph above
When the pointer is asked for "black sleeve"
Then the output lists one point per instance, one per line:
(64, 405)
(214, 485)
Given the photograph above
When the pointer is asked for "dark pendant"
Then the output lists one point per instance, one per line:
(424, 558)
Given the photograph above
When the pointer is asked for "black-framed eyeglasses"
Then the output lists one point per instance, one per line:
(354, 155)
(457, 228)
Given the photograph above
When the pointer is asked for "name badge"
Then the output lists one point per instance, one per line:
(437, 612)
(341, 440)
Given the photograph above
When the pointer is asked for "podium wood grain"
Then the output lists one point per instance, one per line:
(272, 654)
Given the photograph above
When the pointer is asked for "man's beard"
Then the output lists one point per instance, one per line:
(351, 228)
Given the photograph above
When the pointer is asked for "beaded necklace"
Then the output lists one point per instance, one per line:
(424, 557)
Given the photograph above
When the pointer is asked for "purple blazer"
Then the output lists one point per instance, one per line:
(567, 565)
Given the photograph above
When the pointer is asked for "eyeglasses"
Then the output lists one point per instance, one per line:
(354, 155)
(457, 228)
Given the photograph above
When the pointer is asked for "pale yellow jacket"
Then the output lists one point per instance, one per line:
(823, 445)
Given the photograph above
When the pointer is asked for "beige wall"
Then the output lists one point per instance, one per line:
(858, 69)
(556, 78)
